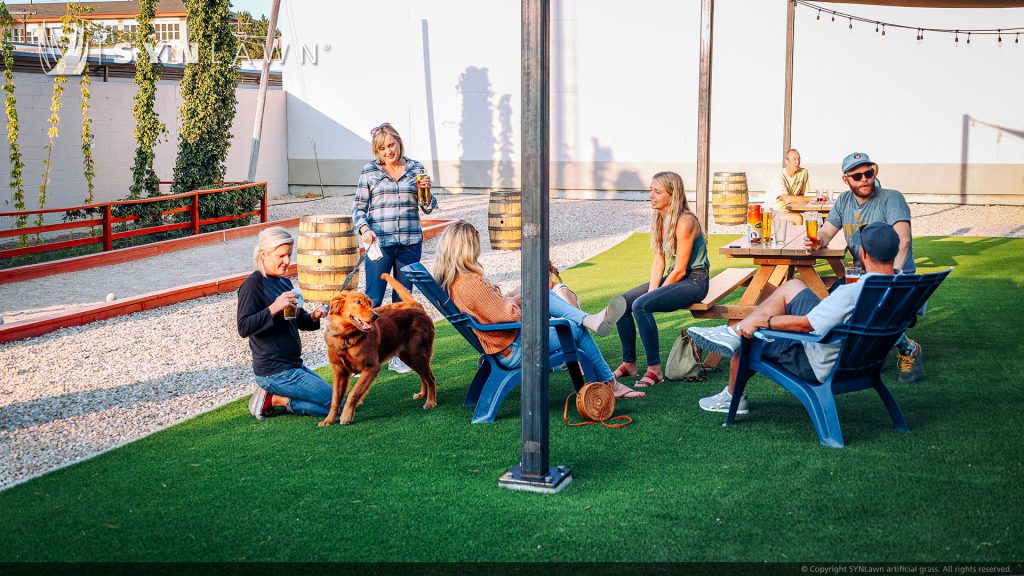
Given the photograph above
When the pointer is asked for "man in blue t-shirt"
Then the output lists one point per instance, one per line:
(868, 202)
(796, 308)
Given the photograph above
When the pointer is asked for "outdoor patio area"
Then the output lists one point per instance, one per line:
(402, 484)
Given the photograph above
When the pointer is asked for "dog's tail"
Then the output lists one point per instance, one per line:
(401, 290)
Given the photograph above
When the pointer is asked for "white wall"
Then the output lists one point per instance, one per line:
(624, 90)
(114, 145)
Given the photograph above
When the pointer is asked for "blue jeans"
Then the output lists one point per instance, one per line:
(594, 367)
(641, 306)
(310, 394)
(395, 257)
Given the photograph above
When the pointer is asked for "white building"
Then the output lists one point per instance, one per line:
(38, 22)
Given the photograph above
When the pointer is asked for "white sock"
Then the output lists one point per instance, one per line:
(592, 321)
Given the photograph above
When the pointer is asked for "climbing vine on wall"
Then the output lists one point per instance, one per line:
(148, 128)
(88, 164)
(208, 97)
(10, 104)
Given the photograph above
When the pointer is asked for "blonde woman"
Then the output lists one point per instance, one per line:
(679, 276)
(386, 210)
(282, 379)
(457, 269)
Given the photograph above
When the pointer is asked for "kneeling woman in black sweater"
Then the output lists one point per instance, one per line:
(274, 339)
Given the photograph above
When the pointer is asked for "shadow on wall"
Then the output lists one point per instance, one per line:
(624, 180)
(475, 129)
(965, 146)
(339, 154)
(506, 169)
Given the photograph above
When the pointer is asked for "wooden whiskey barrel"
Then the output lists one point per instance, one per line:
(505, 219)
(729, 197)
(328, 252)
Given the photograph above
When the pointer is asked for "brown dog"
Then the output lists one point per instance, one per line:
(361, 338)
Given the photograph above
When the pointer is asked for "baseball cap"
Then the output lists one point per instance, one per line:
(880, 241)
(856, 159)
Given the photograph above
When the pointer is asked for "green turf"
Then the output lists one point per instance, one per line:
(405, 484)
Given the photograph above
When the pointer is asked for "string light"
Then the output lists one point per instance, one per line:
(879, 25)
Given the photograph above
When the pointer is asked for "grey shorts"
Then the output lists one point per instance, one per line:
(790, 353)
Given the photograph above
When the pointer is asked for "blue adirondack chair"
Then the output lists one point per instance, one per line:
(887, 306)
(492, 382)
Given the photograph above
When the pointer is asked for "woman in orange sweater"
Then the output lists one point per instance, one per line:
(457, 269)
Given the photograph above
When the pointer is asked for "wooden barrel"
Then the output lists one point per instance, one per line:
(505, 219)
(328, 252)
(729, 197)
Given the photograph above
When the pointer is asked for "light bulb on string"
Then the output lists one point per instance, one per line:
(851, 23)
(999, 40)
(968, 37)
(1017, 41)
(833, 16)
(819, 14)
(956, 37)
(883, 29)
(876, 27)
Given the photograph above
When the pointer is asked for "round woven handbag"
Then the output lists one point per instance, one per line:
(595, 402)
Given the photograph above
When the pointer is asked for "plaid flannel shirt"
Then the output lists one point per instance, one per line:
(389, 208)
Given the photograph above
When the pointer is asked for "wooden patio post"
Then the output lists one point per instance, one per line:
(534, 473)
(787, 114)
(707, 12)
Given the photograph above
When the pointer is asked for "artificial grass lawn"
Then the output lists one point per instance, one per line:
(403, 484)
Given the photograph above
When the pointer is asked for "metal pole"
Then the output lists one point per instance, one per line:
(261, 100)
(533, 473)
(787, 114)
(707, 12)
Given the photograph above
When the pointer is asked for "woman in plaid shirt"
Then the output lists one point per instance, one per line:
(386, 210)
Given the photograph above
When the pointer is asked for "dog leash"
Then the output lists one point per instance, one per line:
(353, 272)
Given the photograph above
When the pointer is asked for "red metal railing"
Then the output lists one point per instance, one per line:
(108, 220)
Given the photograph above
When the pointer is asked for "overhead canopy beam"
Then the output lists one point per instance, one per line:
(787, 114)
(932, 3)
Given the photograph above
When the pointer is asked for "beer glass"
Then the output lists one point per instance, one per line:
(767, 217)
(813, 221)
(422, 192)
(853, 274)
(754, 219)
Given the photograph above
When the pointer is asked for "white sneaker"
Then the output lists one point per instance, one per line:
(720, 402)
(720, 339)
(396, 365)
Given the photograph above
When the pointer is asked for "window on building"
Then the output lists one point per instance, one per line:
(131, 28)
(166, 32)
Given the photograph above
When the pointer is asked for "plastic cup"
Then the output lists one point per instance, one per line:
(779, 229)
(853, 274)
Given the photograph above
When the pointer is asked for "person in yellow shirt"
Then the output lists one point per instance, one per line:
(790, 186)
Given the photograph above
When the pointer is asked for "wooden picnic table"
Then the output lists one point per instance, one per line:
(812, 206)
(775, 264)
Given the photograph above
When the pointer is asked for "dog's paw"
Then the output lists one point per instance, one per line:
(429, 405)
(325, 422)
(417, 395)
(345, 421)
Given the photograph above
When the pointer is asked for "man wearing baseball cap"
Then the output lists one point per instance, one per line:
(796, 308)
(864, 203)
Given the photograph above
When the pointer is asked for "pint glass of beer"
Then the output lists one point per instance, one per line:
(754, 219)
(422, 192)
(767, 220)
(813, 221)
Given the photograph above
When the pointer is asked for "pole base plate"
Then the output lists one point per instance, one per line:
(557, 478)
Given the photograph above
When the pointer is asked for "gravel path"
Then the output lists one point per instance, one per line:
(79, 391)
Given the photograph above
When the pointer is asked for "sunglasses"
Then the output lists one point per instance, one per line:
(869, 174)
(379, 128)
